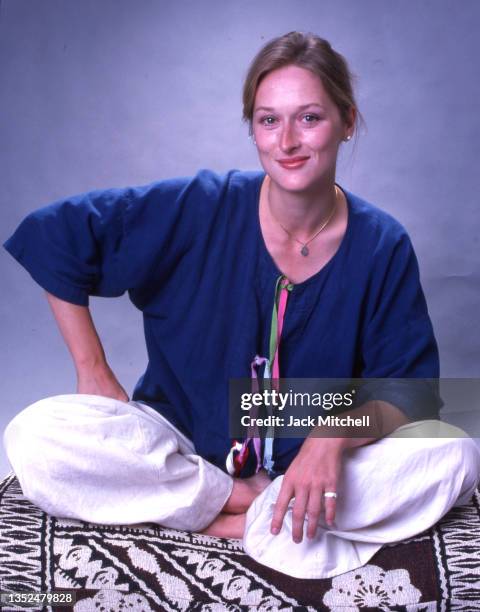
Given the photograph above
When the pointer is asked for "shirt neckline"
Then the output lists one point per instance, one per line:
(266, 254)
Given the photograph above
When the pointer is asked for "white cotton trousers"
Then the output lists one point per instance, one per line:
(105, 461)
(387, 491)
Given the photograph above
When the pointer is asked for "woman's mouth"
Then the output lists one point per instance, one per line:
(292, 163)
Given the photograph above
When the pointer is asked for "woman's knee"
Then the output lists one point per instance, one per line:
(29, 449)
(41, 439)
(34, 428)
(469, 464)
(457, 462)
(24, 431)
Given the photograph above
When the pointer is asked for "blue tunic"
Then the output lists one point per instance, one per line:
(190, 253)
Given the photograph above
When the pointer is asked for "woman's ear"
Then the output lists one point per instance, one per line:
(350, 123)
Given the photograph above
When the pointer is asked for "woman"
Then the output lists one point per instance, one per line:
(206, 259)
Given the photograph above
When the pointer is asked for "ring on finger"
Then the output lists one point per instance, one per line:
(331, 494)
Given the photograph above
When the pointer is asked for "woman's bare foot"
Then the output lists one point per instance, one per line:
(231, 522)
(244, 491)
(227, 526)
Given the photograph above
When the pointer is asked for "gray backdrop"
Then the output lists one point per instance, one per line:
(100, 93)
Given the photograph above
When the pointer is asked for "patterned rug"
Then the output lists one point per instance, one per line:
(150, 568)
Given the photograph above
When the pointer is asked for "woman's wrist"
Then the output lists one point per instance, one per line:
(94, 368)
(340, 443)
(100, 380)
(91, 363)
(334, 446)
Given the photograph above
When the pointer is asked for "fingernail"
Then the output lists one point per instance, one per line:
(275, 530)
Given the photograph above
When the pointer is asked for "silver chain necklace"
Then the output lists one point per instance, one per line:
(305, 251)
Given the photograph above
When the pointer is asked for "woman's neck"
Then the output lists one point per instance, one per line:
(301, 213)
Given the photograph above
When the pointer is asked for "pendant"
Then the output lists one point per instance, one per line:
(304, 251)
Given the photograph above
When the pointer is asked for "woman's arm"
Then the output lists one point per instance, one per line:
(397, 342)
(316, 468)
(94, 375)
(101, 243)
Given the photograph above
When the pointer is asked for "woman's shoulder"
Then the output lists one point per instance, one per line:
(205, 185)
(232, 181)
(213, 181)
(374, 226)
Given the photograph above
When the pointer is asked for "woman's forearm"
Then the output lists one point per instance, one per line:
(94, 375)
(78, 331)
(383, 419)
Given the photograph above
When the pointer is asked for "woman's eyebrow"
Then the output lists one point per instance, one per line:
(300, 108)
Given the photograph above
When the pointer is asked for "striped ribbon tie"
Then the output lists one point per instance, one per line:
(239, 452)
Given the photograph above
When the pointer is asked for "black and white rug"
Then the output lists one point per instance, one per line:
(150, 568)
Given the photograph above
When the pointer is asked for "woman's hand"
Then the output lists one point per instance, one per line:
(314, 471)
(100, 380)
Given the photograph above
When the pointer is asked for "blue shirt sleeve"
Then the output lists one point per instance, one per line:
(398, 343)
(398, 339)
(101, 243)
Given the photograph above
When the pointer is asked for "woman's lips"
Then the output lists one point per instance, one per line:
(292, 163)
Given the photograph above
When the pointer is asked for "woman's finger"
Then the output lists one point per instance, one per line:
(298, 514)
(330, 503)
(281, 506)
(314, 509)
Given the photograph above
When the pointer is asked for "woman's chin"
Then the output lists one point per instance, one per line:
(293, 184)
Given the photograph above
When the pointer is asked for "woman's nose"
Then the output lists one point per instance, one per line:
(289, 138)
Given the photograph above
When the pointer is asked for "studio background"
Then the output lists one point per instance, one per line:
(95, 94)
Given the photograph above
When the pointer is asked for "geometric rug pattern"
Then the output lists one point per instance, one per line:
(148, 568)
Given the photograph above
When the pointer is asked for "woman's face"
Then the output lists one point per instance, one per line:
(297, 129)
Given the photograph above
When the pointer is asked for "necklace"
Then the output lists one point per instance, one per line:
(305, 251)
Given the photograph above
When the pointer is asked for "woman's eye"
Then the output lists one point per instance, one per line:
(269, 120)
(310, 118)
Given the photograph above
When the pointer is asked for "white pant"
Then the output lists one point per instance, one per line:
(388, 491)
(104, 461)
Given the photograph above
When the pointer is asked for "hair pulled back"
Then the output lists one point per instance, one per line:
(307, 51)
